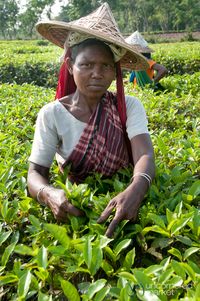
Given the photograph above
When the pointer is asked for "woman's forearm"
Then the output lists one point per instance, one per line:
(38, 177)
(143, 174)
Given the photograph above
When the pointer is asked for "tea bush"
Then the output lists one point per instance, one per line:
(179, 58)
(35, 63)
(155, 258)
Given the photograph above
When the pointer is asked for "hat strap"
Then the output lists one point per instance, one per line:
(121, 105)
(66, 84)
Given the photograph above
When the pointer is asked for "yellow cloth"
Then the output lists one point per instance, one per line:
(76, 38)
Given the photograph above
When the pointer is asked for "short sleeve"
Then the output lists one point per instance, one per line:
(45, 138)
(137, 122)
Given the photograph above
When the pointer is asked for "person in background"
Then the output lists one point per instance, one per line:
(88, 127)
(154, 73)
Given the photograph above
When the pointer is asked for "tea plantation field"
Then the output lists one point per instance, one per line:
(157, 258)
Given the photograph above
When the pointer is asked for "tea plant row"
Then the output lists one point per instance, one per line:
(155, 258)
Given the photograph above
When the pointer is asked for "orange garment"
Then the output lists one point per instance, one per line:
(149, 71)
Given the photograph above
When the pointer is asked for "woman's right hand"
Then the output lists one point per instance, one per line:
(56, 200)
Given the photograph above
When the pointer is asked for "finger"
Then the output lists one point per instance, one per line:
(106, 213)
(61, 216)
(73, 210)
(112, 226)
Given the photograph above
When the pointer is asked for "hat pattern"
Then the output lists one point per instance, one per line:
(99, 24)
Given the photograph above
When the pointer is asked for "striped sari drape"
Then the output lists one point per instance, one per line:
(101, 147)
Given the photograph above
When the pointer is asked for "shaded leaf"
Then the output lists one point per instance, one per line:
(122, 245)
(59, 233)
(69, 290)
(42, 257)
(24, 284)
(189, 252)
(95, 287)
(176, 253)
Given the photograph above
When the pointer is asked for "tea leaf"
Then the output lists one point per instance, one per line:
(9, 278)
(87, 251)
(143, 280)
(157, 220)
(69, 290)
(97, 257)
(35, 221)
(195, 189)
(24, 283)
(176, 253)
(188, 269)
(122, 245)
(189, 252)
(4, 236)
(102, 294)
(179, 225)
(42, 257)
(128, 276)
(178, 269)
(95, 287)
(129, 259)
(9, 250)
(25, 250)
(58, 233)
(44, 297)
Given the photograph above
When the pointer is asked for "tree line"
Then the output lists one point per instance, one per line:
(143, 15)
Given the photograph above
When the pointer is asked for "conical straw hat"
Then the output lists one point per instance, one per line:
(137, 41)
(99, 24)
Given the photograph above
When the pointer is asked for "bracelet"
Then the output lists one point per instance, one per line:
(38, 194)
(144, 175)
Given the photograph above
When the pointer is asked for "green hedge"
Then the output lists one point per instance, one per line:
(155, 258)
(28, 62)
(40, 73)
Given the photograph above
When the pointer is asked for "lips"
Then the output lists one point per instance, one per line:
(96, 87)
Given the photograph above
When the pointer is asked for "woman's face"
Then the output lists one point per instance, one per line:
(93, 70)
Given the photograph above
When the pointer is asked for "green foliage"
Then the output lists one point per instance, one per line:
(179, 58)
(141, 15)
(18, 18)
(38, 64)
(9, 11)
(30, 63)
(155, 258)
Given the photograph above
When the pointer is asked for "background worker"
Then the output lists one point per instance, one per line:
(155, 71)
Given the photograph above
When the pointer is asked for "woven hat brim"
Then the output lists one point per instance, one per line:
(57, 32)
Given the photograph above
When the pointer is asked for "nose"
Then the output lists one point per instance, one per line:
(97, 71)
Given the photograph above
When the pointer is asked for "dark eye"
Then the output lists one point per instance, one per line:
(86, 65)
(108, 66)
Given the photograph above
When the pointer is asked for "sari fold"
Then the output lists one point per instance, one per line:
(102, 147)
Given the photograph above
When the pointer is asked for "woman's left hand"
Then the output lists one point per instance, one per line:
(125, 204)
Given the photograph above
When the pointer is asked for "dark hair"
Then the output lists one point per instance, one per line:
(146, 54)
(75, 50)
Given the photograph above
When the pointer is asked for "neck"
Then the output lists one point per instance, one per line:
(85, 103)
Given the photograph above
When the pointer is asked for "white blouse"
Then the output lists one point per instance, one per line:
(58, 131)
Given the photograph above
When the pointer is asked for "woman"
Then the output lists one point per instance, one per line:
(86, 126)
(155, 71)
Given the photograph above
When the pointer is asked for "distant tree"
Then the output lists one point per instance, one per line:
(77, 8)
(131, 15)
(33, 13)
(8, 18)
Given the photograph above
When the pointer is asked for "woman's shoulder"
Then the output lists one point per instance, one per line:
(133, 105)
(132, 100)
(51, 107)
